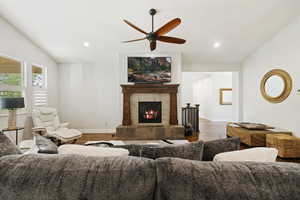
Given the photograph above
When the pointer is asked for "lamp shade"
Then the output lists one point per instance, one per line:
(11, 103)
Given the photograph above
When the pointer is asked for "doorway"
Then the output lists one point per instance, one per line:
(216, 92)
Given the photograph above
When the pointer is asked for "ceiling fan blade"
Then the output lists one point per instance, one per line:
(134, 40)
(168, 27)
(171, 39)
(152, 45)
(135, 27)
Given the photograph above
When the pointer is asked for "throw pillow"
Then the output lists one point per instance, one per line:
(211, 148)
(7, 147)
(258, 154)
(45, 145)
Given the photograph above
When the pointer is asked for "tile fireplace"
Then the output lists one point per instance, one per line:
(150, 112)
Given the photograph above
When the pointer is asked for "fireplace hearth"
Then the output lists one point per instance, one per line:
(150, 112)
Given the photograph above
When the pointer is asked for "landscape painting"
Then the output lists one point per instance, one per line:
(149, 70)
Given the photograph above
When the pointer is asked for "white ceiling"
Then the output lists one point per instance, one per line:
(61, 26)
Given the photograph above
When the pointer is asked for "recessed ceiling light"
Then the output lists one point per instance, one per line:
(86, 44)
(217, 45)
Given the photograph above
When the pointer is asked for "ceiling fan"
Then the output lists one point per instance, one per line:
(153, 36)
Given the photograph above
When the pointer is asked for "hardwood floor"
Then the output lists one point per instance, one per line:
(95, 137)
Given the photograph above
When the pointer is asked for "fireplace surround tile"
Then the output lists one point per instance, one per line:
(164, 93)
(169, 89)
(145, 97)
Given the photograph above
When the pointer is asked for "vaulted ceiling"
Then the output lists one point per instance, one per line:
(62, 26)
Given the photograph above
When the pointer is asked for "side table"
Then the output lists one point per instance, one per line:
(17, 129)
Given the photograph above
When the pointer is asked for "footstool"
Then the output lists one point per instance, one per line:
(288, 146)
(91, 150)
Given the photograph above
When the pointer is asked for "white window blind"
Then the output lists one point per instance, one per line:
(40, 98)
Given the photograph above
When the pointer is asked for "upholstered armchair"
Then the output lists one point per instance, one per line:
(48, 119)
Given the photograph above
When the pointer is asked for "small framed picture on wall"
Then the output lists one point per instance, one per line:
(225, 96)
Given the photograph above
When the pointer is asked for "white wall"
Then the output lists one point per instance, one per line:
(16, 45)
(94, 92)
(281, 52)
(237, 95)
(203, 88)
(89, 95)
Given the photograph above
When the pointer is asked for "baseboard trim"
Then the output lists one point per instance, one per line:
(98, 131)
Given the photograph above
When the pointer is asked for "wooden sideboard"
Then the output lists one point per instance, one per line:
(253, 138)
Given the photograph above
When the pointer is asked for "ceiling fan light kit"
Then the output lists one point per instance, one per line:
(158, 35)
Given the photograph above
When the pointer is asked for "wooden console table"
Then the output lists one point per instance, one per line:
(253, 138)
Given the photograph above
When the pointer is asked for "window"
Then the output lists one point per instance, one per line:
(11, 79)
(39, 86)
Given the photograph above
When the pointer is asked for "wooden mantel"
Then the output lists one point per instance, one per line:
(128, 90)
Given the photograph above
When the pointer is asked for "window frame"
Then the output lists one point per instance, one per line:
(22, 88)
(45, 74)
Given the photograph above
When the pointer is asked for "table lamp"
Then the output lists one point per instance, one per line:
(12, 104)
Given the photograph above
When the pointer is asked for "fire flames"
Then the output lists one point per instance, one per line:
(150, 114)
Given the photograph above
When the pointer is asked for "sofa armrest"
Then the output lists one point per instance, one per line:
(64, 125)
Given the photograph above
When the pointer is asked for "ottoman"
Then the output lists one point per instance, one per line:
(91, 150)
(288, 146)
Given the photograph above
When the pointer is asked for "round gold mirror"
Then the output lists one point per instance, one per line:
(276, 86)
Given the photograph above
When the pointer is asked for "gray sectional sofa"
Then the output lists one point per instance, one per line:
(57, 177)
(74, 177)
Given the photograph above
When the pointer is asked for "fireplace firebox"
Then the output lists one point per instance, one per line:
(150, 112)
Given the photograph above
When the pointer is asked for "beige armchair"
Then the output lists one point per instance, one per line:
(47, 119)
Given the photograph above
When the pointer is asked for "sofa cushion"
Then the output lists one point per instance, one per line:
(7, 147)
(45, 145)
(192, 151)
(57, 177)
(179, 179)
(211, 148)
